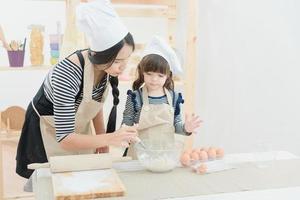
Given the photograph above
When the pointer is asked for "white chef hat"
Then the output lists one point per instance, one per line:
(159, 46)
(101, 24)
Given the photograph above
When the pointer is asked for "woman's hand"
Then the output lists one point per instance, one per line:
(102, 149)
(192, 122)
(123, 136)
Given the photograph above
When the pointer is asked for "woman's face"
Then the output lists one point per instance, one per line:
(120, 62)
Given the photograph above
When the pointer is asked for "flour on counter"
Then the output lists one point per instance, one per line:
(85, 181)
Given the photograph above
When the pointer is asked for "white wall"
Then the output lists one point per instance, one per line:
(17, 15)
(249, 74)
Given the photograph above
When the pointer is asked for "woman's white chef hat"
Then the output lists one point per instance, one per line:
(101, 24)
(160, 47)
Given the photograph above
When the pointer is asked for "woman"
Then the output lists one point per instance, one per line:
(58, 120)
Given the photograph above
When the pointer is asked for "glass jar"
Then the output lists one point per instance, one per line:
(36, 45)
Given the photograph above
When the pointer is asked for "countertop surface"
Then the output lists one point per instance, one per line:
(251, 178)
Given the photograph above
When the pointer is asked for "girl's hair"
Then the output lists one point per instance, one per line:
(153, 63)
(107, 57)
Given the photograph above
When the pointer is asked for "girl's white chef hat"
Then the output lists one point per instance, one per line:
(101, 24)
(160, 47)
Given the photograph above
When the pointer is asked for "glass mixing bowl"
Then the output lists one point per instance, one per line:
(159, 156)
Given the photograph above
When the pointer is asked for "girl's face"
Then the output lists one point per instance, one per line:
(120, 62)
(154, 80)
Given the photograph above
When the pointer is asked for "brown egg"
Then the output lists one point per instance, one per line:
(204, 149)
(220, 153)
(212, 154)
(188, 151)
(202, 169)
(203, 156)
(185, 159)
(197, 150)
(194, 155)
(212, 148)
(203, 166)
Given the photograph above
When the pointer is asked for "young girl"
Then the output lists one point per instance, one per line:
(153, 104)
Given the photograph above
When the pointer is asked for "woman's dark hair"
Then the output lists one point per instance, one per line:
(111, 124)
(153, 63)
(107, 57)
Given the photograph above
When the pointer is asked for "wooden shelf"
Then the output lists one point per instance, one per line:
(35, 68)
(164, 2)
(126, 10)
(25, 68)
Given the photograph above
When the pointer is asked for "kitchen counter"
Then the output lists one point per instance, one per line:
(141, 184)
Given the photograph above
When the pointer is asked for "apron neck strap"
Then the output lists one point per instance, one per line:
(168, 94)
(88, 81)
(145, 95)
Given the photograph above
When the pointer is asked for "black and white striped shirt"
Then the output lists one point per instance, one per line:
(61, 86)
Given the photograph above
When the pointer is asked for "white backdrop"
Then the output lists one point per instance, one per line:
(249, 74)
(248, 68)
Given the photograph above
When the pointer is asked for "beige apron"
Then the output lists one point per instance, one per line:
(156, 122)
(86, 111)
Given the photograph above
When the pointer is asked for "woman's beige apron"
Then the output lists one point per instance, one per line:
(86, 111)
(156, 122)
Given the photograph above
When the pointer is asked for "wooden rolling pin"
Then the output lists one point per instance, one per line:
(79, 162)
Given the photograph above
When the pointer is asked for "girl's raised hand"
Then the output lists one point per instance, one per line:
(192, 122)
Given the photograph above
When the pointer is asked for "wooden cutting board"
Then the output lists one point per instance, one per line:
(87, 184)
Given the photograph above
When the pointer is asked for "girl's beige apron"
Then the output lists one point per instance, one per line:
(156, 122)
(86, 111)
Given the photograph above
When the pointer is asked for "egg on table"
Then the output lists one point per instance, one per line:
(212, 154)
(185, 159)
(197, 150)
(203, 156)
(220, 153)
(194, 156)
(204, 149)
(202, 169)
(188, 151)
